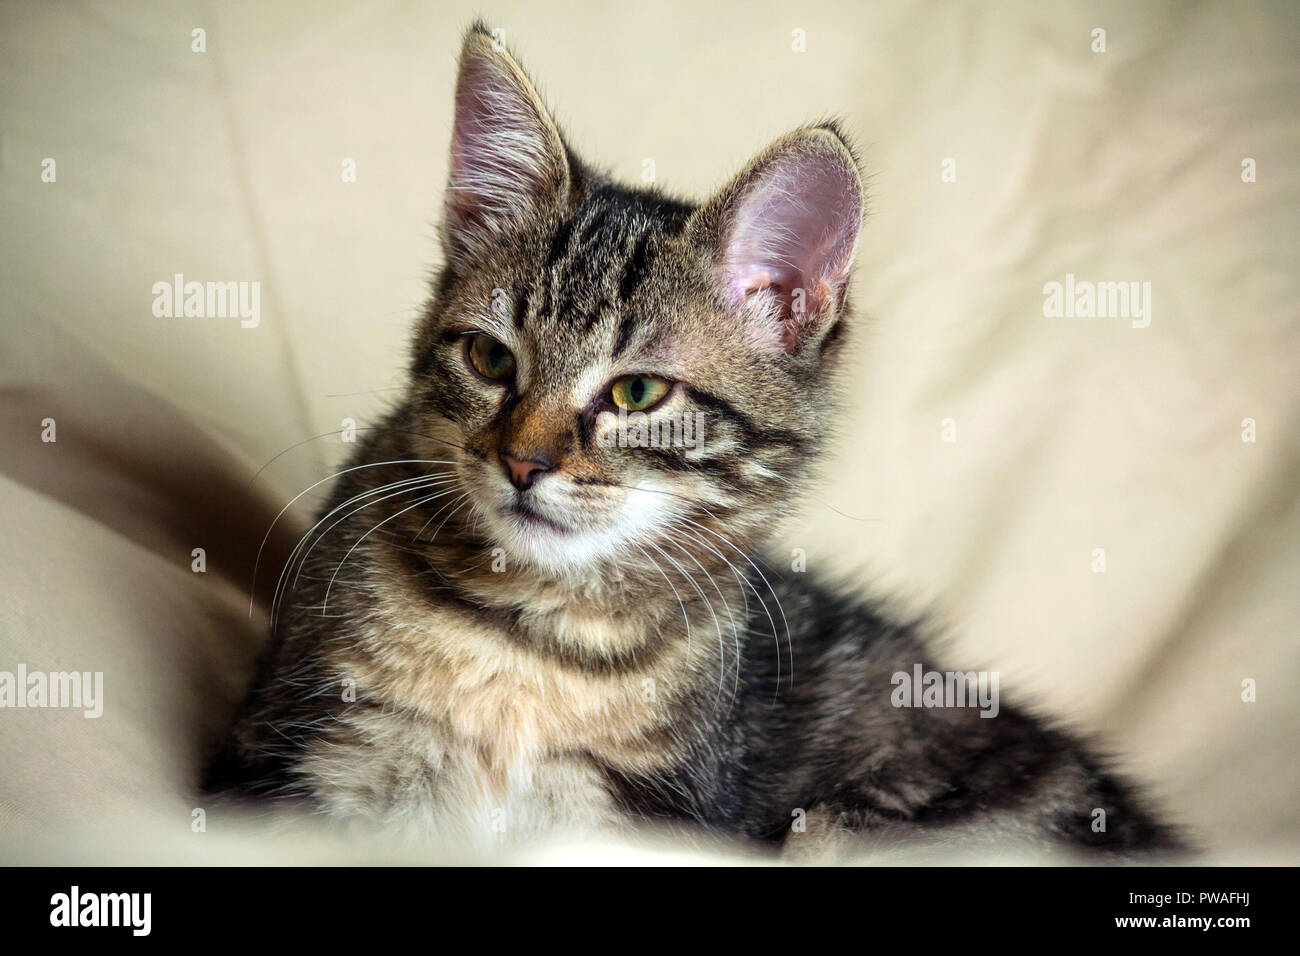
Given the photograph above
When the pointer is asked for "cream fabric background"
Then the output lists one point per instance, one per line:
(1071, 434)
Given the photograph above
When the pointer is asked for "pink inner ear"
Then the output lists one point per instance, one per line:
(790, 245)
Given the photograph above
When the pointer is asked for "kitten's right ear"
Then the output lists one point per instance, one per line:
(507, 157)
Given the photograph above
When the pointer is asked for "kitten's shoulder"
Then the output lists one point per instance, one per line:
(826, 614)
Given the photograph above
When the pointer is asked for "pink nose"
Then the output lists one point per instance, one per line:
(522, 474)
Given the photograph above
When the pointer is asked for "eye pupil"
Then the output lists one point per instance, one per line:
(635, 393)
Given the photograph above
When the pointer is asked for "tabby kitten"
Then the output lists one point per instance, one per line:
(513, 618)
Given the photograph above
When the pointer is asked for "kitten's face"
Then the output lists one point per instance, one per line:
(567, 300)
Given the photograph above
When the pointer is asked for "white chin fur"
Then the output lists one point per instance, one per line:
(643, 516)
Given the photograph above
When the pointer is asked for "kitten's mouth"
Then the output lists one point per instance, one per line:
(525, 515)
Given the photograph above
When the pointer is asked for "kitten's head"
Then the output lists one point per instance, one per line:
(566, 299)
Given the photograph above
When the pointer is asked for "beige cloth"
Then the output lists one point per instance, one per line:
(1071, 434)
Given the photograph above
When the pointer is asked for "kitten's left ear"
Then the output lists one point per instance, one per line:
(784, 233)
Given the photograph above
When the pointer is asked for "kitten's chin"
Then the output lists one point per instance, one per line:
(546, 546)
(549, 534)
(552, 548)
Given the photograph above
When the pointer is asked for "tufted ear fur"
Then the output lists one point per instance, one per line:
(507, 156)
(785, 232)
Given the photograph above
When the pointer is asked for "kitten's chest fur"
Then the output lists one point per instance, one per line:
(418, 776)
(469, 723)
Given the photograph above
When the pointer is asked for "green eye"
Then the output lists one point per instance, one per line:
(490, 358)
(636, 393)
